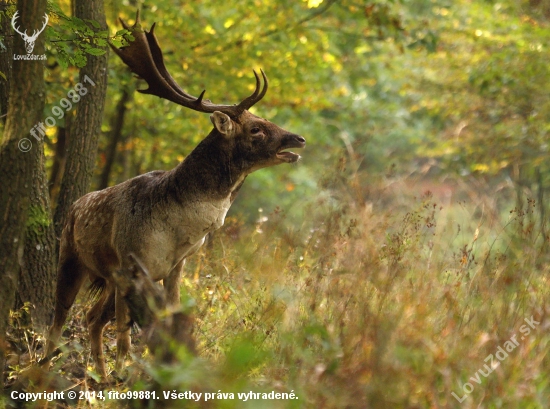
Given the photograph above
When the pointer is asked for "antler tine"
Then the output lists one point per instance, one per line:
(257, 88)
(136, 24)
(201, 96)
(264, 90)
(256, 95)
(126, 26)
(144, 57)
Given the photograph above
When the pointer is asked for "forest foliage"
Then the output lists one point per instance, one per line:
(407, 245)
(459, 85)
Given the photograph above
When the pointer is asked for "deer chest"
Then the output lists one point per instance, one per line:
(196, 219)
(176, 233)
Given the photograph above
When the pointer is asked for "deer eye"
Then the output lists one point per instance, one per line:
(255, 130)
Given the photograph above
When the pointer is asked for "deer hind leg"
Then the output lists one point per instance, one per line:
(123, 341)
(70, 276)
(98, 316)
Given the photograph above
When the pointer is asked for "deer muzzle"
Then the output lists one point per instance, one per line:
(290, 141)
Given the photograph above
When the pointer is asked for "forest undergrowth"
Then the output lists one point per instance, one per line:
(377, 299)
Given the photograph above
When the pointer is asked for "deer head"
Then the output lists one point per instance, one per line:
(255, 143)
(29, 40)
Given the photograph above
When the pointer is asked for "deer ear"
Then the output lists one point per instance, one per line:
(222, 123)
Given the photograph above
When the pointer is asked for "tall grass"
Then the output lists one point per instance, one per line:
(382, 298)
(366, 305)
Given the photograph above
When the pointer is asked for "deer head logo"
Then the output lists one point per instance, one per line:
(29, 40)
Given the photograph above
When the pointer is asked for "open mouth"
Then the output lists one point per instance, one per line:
(287, 156)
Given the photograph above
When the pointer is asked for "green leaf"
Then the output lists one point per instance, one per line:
(63, 61)
(118, 42)
(94, 51)
(94, 23)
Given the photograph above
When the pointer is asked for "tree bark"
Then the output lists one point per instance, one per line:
(59, 160)
(38, 270)
(16, 167)
(115, 136)
(5, 63)
(82, 147)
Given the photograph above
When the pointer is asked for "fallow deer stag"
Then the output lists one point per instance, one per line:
(162, 217)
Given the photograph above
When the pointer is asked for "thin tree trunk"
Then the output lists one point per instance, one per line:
(518, 181)
(115, 136)
(82, 147)
(16, 167)
(541, 205)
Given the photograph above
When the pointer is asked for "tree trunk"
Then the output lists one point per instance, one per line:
(16, 167)
(115, 136)
(82, 147)
(5, 63)
(38, 270)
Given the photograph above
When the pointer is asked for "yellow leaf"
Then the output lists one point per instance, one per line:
(209, 29)
(481, 167)
(313, 3)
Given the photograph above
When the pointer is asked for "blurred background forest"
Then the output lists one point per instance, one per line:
(455, 93)
(411, 239)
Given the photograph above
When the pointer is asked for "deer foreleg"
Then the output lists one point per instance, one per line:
(172, 285)
(123, 341)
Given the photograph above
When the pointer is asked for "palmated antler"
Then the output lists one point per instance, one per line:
(144, 57)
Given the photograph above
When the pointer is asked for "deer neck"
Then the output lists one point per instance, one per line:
(210, 171)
